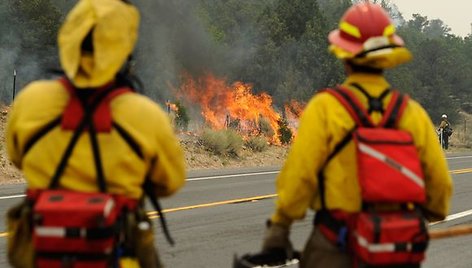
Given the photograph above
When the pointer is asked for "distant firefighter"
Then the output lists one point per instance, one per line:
(444, 132)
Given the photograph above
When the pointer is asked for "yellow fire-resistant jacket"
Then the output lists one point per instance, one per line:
(323, 124)
(43, 101)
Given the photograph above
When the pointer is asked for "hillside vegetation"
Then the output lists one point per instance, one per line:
(278, 46)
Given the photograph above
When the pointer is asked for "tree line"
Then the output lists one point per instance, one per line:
(280, 46)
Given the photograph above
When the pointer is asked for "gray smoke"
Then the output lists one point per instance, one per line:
(172, 40)
(23, 50)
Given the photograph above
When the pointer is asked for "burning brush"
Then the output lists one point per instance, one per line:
(235, 106)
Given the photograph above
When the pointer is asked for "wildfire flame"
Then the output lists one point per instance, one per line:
(221, 103)
(171, 107)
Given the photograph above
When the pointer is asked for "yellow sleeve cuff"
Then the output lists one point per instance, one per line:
(280, 219)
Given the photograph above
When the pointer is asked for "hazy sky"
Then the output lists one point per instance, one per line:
(457, 14)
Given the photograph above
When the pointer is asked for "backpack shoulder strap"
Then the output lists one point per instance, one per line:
(360, 116)
(394, 110)
(352, 105)
(74, 110)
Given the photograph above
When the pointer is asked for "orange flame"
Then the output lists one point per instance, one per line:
(171, 106)
(220, 103)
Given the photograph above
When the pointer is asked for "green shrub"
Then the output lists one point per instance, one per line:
(285, 133)
(181, 117)
(257, 144)
(222, 142)
(234, 142)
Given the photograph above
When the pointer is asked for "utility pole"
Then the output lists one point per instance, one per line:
(14, 83)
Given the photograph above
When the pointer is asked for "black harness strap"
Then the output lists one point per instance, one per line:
(321, 177)
(129, 140)
(149, 191)
(41, 133)
(86, 121)
(97, 159)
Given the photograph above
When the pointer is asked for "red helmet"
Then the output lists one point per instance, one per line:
(365, 28)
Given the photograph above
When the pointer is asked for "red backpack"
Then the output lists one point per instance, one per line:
(390, 175)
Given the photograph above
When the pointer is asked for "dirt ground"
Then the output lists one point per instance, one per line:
(195, 155)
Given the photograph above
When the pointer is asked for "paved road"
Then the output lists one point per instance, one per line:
(209, 233)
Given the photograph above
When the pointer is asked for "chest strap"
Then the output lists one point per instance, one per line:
(375, 104)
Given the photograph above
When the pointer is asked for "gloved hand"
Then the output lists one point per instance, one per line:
(276, 237)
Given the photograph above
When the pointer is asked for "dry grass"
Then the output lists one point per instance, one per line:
(462, 135)
(222, 142)
(256, 144)
(8, 173)
(197, 156)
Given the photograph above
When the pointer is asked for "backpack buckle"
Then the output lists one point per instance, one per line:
(341, 240)
(375, 105)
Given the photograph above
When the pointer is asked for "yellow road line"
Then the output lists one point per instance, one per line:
(461, 171)
(153, 214)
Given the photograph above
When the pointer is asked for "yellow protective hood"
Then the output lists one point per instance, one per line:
(115, 29)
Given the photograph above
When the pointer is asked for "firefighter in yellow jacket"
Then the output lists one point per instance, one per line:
(95, 43)
(367, 44)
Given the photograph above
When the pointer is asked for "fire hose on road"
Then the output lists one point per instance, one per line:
(454, 231)
(261, 259)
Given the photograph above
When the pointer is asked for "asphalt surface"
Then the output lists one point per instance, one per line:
(208, 234)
